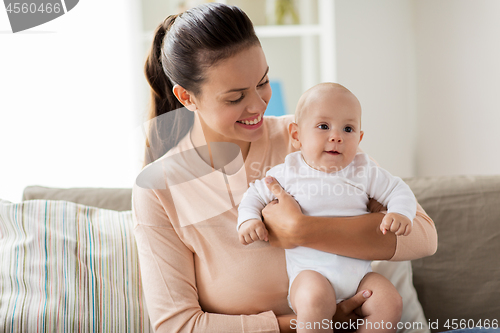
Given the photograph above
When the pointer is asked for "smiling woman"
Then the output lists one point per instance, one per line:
(208, 139)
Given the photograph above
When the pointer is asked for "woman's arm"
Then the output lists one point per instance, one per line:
(357, 236)
(168, 277)
(422, 241)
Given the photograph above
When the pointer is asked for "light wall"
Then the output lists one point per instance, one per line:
(375, 60)
(426, 73)
(458, 85)
(284, 57)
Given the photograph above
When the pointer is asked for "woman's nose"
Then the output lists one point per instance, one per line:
(258, 103)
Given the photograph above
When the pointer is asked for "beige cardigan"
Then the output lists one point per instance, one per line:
(196, 275)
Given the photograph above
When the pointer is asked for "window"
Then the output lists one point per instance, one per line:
(71, 99)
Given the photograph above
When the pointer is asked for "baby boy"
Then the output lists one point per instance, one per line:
(329, 176)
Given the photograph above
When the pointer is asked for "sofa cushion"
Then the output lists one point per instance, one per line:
(66, 267)
(119, 199)
(399, 273)
(462, 280)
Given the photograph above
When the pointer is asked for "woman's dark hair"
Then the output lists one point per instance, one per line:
(184, 46)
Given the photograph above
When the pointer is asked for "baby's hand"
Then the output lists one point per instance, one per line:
(251, 231)
(396, 223)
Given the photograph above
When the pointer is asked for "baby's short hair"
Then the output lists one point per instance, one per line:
(320, 87)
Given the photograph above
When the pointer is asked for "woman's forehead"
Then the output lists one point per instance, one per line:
(245, 69)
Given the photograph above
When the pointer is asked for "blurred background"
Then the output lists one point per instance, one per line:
(73, 97)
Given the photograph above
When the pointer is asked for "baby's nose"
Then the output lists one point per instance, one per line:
(336, 137)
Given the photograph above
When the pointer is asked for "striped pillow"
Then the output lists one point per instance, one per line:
(66, 267)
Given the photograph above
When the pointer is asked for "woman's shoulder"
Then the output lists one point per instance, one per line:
(277, 131)
(279, 125)
(166, 170)
(275, 144)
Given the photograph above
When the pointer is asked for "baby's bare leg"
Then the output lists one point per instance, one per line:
(382, 311)
(313, 299)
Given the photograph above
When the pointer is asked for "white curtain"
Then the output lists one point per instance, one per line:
(71, 99)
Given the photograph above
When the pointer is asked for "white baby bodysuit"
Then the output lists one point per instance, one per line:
(342, 193)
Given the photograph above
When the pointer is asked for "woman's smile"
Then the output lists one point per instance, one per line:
(251, 123)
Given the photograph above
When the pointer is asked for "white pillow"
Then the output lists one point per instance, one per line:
(400, 274)
(66, 267)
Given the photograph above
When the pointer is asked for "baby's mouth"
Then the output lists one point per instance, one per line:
(333, 152)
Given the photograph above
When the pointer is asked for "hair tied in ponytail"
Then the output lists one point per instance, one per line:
(169, 21)
(161, 31)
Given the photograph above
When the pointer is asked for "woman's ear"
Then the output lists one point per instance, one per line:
(185, 97)
(293, 130)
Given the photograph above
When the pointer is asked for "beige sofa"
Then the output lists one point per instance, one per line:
(457, 287)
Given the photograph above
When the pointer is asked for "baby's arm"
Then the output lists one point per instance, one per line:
(396, 223)
(250, 226)
(396, 195)
(251, 231)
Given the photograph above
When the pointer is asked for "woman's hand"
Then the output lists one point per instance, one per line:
(281, 217)
(355, 236)
(345, 318)
(285, 323)
(349, 311)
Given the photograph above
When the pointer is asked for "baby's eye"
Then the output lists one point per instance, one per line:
(348, 129)
(323, 126)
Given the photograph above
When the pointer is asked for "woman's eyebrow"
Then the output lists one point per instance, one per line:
(241, 89)
(267, 71)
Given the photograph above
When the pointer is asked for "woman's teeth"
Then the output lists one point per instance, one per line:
(253, 122)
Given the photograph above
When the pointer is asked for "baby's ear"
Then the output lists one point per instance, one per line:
(293, 130)
(361, 136)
